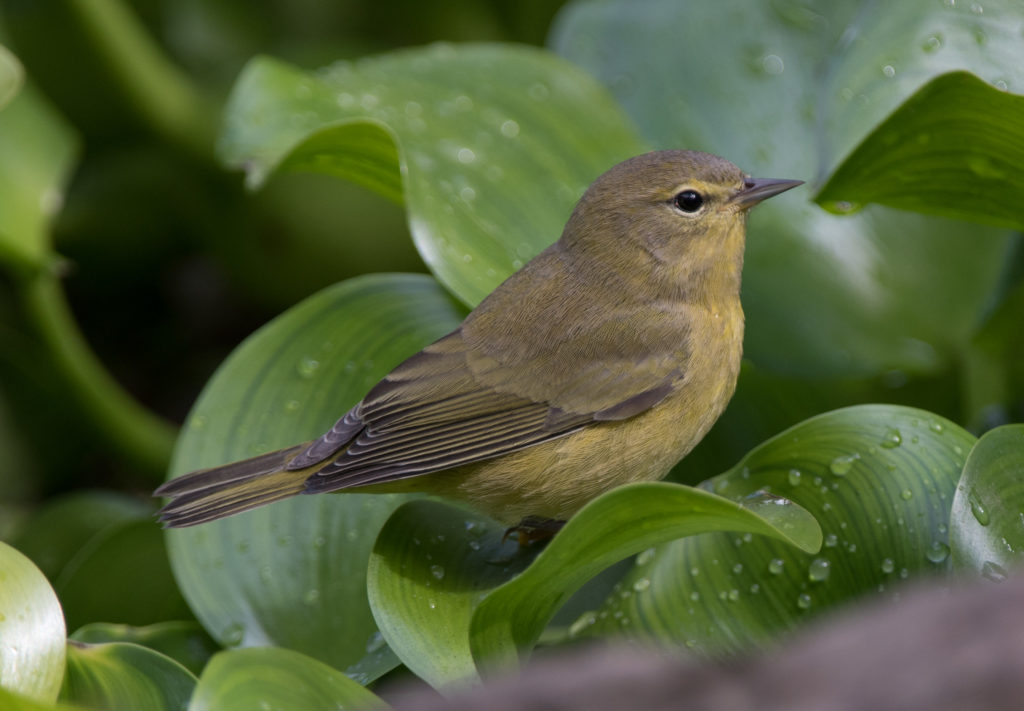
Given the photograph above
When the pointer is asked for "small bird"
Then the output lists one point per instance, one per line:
(603, 361)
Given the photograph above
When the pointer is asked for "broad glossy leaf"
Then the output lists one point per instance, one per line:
(293, 574)
(12, 76)
(880, 480)
(620, 523)
(36, 153)
(792, 88)
(63, 526)
(431, 565)
(488, 145)
(274, 678)
(436, 570)
(31, 629)
(120, 675)
(973, 176)
(993, 367)
(121, 575)
(184, 642)
(985, 528)
(9, 701)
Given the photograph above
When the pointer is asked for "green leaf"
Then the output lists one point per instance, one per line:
(12, 76)
(993, 368)
(64, 526)
(436, 570)
(273, 678)
(37, 150)
(613, 526)
(985, 531)
(431, 565)
(124, 676)
(293, 574)
(982, 140)
(31, 629)
(121, 575)
(879, 479)
(9, 701)
(793, 88)
(489, 145)
(184, 642)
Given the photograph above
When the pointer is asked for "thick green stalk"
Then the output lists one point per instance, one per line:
(163, 96)
(141, 436)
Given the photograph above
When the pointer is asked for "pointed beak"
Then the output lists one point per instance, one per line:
(757, 189)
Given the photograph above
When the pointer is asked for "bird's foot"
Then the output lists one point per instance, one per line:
(533, 529)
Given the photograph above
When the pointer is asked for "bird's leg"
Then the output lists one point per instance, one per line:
(532, 529)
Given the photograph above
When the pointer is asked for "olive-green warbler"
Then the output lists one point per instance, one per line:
(603, 361)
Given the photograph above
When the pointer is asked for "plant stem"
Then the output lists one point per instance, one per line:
(163, 95)
(141, 436)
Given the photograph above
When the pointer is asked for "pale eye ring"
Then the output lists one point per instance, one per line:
(689, 201)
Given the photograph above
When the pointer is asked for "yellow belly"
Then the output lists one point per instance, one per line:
(555, 479)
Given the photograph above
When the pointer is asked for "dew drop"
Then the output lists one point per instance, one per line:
(831, 540)
(841, 465)
(694, 596)
(819, 570)
(937, 552)
(888, 566)
(776, 566)
(794, 477)
(733, 595)
(979, 510)
(645, 557)
(510, 129)
(738, 568)
(803, 601)
(641, 584)
(437, 571)
(587, 619)
(983, 167)
(538, 92)
(233, 634)
(772, 64)
(889, 71)
(906, 494)
(891, 439)
(932, 43)
(308, 367)
(466, 155)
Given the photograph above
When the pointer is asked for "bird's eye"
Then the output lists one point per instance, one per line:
(689, 201)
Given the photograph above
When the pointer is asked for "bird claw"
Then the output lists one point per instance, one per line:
(533, 529)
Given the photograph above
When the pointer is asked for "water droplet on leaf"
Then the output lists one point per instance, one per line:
(818, 570)
(841, 465)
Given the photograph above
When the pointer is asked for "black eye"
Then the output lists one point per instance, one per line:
(689, 201)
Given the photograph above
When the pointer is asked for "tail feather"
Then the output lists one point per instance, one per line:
(222, 491)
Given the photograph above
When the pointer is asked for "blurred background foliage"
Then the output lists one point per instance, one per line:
(166, 261)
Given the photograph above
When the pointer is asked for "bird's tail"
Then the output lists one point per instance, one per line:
(214, 493)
